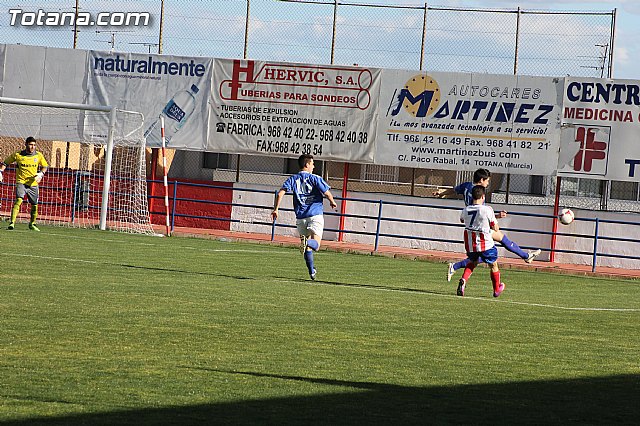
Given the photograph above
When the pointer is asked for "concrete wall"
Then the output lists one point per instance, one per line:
(608, 230)
(526, 231)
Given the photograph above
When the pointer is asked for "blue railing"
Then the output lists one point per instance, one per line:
(381, 220)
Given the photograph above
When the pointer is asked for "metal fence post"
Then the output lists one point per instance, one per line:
(413, 182)
(74, 200)
(515, 59)
(75, 24)
(424, 37)
(611, 41)
(554, 229)
(273, 224)
(246, 31)
(595, 246)
(343, 202)
(333, 36)
(173, 208)
(375, 248)
(161, 29)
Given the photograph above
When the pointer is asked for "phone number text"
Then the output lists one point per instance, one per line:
(302, 134)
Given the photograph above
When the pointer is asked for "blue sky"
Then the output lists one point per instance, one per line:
(627, 36)
(215, 28)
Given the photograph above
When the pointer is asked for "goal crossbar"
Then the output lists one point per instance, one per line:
(55, 104)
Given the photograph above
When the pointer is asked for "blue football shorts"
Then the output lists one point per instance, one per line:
(488, 256)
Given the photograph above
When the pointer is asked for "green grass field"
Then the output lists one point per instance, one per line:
(105, 328)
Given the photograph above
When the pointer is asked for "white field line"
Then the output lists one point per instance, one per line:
(484, 299)
(130, 242)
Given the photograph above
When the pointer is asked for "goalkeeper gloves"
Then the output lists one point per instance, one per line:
(39, 176)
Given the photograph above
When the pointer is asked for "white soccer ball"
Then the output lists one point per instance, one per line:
(566, 216)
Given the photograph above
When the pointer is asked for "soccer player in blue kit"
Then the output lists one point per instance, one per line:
(308, 191)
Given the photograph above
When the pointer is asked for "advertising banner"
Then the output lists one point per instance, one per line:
(176, 88)
(460, 121)
(42, 73)
(601, 124)
(284, 109)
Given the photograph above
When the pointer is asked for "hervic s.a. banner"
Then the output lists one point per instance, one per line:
(460, 121)
(601, 129)
(284, 109)
(176, 88)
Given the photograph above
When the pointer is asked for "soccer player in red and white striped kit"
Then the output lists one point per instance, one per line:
(479, 222)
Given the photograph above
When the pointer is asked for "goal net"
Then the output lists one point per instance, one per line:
(74, 140)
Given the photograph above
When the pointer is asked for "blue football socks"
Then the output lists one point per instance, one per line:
(513, 247)
(461, 264)
(308, 258)
(313, 244)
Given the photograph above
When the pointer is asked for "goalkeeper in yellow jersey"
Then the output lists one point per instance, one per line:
(30, 169)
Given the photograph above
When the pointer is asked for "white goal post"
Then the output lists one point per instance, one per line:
(97, 159)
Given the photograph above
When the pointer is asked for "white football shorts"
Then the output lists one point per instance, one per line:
(311, 224)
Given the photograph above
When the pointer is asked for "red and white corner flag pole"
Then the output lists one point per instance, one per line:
(164, 171)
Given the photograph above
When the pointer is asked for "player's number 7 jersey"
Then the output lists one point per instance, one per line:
(478, 220)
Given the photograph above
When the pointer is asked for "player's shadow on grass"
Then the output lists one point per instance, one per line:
(182, 271)
(594, 401)
(381, 287)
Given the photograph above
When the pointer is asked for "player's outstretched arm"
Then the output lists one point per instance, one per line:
(276, 205)
(443, 193)
(329, 196)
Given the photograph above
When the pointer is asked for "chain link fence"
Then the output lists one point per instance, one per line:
(370, 34)
(367, 33)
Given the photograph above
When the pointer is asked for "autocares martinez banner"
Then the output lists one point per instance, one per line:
(286, 109)
(460, 121)
(173, 87)
(601, 124)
